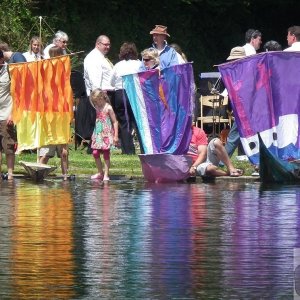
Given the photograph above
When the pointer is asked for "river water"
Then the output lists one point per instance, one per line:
(134, 240)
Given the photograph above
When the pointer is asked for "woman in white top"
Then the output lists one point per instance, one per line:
(128, 64)
(60, 40)
(35, 50)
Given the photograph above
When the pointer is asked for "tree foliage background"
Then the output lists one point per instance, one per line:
(206, 30)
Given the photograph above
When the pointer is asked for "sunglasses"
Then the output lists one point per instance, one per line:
(147, 59)
(64, 42)
(106, 45)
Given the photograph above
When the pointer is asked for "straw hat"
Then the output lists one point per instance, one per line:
(160, 29)
(236, 52)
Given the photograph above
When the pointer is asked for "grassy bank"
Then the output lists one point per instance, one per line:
(81, 163)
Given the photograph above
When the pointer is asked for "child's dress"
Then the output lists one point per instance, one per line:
(103, 134)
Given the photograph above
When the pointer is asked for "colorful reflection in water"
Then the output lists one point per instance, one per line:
(133, 240)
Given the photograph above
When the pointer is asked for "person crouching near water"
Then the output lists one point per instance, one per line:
(206, 156)
(105, 133)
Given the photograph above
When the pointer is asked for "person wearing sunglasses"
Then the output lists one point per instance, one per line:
(253, 41)
(60, 40)
(150, 59)
(98, 68)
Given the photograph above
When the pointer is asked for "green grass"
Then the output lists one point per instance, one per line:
(81, 163)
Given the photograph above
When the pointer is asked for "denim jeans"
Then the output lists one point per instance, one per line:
(233, 140)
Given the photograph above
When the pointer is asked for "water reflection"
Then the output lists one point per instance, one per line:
(40, 238)
(133, 240)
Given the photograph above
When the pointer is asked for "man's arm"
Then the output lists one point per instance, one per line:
(202, 154)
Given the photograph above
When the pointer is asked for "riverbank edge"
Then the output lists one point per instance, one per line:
(198, 179)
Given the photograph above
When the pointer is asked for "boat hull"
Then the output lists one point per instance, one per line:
(272, 169)
(163, 167)
(37, 171)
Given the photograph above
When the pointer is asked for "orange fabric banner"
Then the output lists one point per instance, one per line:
(42, 101)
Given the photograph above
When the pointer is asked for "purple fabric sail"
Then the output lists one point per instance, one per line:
(162, 106)
(264, 91)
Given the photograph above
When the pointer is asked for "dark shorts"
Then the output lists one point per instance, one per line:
(8, 138)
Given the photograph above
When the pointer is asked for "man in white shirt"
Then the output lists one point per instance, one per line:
(97, 68)
(253, 41)
(293, 38)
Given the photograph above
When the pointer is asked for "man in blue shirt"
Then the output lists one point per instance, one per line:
(167, 55)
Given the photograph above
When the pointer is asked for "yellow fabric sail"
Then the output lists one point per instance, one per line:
(42, 102)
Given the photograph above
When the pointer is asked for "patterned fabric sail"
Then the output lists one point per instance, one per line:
(162, 106)
(265, 94)
(42, 102)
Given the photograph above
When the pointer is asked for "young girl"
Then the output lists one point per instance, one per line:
(105, 132)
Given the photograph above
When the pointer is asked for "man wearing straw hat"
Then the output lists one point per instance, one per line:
(167, 55)
(233, 138)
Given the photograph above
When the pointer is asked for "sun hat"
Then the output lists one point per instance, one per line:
(236, 52)
(160, 29)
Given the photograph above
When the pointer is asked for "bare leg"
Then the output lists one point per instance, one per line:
(43, 159)
(99, 165)
(64, 161)
(214, 171)
(10, 162)
(223, 156)
(106, 168)
(97, 157)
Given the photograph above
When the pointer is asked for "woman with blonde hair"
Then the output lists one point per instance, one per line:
(150, 59)
(35, 50)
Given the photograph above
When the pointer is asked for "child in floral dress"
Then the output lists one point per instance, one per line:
(105, 133)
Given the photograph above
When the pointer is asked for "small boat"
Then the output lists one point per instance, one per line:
(273, 169)
(37, 171)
